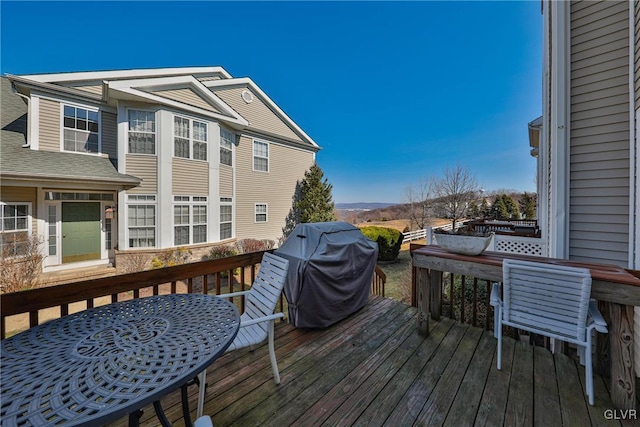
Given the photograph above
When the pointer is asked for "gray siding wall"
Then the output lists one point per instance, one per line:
(190, 178)
(636, 17)
(145, 168)
(259, 115)
(49, 125)
(187, 96)
(109, 133)
(599, 147)
(226, 181)
(276, 188)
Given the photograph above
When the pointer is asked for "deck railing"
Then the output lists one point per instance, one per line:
(464, 298)
(213, 277)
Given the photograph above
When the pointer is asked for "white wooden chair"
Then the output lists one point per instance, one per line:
(550, 300)
(257, 321)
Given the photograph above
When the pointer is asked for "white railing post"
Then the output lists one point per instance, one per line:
(429, 235)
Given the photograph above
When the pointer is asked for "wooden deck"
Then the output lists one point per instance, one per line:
(375, 369)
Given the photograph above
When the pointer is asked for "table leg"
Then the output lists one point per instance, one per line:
(134, 418)
(623, 386)
(185, 406)
(160, 414)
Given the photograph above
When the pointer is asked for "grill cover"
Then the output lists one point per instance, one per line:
(331, 266)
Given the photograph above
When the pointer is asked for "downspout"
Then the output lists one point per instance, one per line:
(15, 91)
(634, 158)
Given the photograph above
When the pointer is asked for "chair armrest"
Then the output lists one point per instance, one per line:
(233, 294)
(261, 319)
(596, 316)
(496, 298)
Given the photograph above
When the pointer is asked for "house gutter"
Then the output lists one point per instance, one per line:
(634, 160)
(28, 99)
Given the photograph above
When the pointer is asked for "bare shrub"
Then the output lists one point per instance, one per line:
(252, 245)
(133, 262)
(20, 262)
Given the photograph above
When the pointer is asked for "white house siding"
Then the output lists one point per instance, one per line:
(259, 115)
(226, 181)
(599, 126)
(109, 132)
(275, 188)
(187, 96)
(22, 194)
(49, 120)
(145, 168)
(190, 177)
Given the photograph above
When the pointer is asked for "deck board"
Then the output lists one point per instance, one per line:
(374, 369)
(546, 399)
(466, 403)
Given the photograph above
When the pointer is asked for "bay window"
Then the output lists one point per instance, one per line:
(142, 132)
(141, 217)
(226, 218)
(190, 138)
(226, 147)
(189, 220)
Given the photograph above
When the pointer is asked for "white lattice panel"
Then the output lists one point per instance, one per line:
(519, 245)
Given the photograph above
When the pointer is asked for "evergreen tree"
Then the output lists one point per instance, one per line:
(485, 208)
(315, 203)
(473, 211)
(505, 208)
(528, 205)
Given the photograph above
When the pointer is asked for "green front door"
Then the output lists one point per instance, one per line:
(80, 232)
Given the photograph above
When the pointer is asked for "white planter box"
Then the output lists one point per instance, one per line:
(464, 245)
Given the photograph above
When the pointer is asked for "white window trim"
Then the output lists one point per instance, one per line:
(126, 144)
(132, 202)
(253, 157)
(191, 137)
(29, 228)
(256, 213)
(190, 203)
(62, 127)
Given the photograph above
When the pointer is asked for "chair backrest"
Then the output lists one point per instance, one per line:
(267, 287)
(548, 299)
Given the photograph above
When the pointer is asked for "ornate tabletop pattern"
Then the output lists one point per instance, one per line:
(106, 362)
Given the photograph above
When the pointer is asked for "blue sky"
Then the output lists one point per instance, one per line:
(392, 91)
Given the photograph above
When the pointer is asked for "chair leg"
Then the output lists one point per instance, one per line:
(202, 377)
(589, 369)
(272, 353)
(498, 333)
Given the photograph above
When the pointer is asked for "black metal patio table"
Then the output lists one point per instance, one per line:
(98, 365)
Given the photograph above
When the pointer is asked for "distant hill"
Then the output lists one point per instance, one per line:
(363, 206)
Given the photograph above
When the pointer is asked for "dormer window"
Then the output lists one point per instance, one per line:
(81, 129)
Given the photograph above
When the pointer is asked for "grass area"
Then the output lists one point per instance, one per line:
(398, 286)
